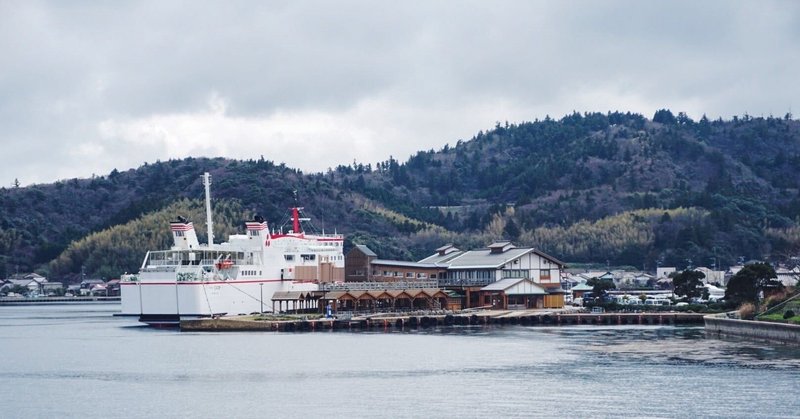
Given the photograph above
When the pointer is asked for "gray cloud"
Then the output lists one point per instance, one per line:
(87, 87)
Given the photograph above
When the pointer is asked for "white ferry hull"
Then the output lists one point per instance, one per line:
(169, 301)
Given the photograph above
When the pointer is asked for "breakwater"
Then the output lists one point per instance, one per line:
(722, 325)
(400, 322)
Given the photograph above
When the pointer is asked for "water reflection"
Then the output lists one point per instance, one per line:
(674, 345)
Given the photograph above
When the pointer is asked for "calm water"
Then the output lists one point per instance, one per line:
(79, 361)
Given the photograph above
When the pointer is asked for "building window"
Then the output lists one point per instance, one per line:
(409, 274)
(359, 272)
(515, 273)
(545, 275)
(433, 276)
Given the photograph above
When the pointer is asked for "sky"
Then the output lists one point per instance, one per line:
(90, 86)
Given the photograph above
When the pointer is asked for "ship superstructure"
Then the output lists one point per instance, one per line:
(235, 277)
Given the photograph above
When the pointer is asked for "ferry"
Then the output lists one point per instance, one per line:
(240, 276)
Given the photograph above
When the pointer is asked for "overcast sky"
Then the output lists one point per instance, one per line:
(86, 87)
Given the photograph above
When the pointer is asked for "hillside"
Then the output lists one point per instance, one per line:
(616, 188)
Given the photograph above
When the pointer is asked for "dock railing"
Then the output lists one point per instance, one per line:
(372, 286)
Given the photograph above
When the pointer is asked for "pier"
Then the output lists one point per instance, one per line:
(56, 300)
(415, 321)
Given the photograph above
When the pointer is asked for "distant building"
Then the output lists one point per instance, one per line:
(664, 271)
(357, 263)
(788, 277)
(33, 282)
(712, 276)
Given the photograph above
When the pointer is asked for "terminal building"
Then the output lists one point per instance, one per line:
(500, 276)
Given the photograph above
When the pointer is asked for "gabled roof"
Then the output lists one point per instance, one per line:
(285, 295)
(366, 250)
(582, 287)
(492, 257)
(484, 258)
(516, 286)
(442, 259)
(21, 282)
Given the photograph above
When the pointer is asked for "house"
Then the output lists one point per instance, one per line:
(30, 286)
(33, 282)
(579, 290)
(53, 288)
(112, 288)
(711, 276)
(93, 287)
(788, 277)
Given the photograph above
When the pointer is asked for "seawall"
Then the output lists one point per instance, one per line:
(722, 325)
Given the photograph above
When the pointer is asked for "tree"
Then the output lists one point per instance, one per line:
(600, 287)
(664, 116)
(749, 282)
(511, 230)
(688, 283)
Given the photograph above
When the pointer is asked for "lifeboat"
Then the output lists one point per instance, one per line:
(224, 264)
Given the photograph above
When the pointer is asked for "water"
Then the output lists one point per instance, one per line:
(79, 361)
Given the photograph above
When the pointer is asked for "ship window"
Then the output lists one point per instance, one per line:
(308, 257)
(289, 258)
(179, 233)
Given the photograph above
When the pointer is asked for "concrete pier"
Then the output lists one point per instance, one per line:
(400, 322)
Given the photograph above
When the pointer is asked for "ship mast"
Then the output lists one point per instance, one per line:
(209, 223)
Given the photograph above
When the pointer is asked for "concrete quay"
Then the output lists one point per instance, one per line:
(723, 325)
(416, 321)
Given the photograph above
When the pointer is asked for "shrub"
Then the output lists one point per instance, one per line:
(788, 314)
(772, 301)
(747, 311)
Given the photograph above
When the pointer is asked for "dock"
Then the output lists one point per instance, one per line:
(413, 321)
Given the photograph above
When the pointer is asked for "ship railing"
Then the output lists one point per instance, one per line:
(160, 268)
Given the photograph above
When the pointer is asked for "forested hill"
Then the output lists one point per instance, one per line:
(614, 187)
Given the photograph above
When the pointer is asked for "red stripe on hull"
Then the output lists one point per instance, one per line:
(212, 282)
